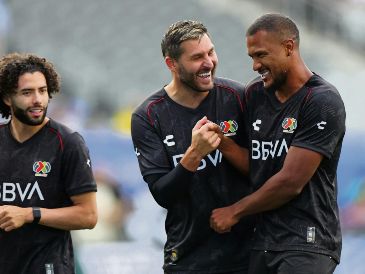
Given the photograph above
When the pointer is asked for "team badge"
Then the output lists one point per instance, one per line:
(289, 125)
(229, 128)
(41, 168)
(174, 255)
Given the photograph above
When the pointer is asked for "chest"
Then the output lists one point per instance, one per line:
(30, 172)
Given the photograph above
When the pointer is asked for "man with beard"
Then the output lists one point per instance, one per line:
(46, 182)
(172, 162)
(295, 125)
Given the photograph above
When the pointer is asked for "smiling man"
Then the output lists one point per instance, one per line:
(46, 182)
(295, 121)
(180, 175)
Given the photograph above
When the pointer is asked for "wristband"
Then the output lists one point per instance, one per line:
(36, 215)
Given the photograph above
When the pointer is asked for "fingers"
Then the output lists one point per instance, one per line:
(200, 123)
(221, 221)
(217, 228)
(11, 217)
(7, 226)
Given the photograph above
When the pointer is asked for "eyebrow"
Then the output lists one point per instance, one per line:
(200, 53)
(26, 89)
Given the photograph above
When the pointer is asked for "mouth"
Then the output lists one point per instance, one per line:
(264, 75)
(205, 75)
(36, 112)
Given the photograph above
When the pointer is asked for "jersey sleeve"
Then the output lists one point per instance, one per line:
(148, 147)
(321, 123)
(76, 166)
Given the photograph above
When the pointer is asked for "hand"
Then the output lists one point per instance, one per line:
(13, 217)
(222, 219)
(205, 138)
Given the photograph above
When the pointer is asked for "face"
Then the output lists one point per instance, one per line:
(269, 58)
(196, 66)
(29, 103)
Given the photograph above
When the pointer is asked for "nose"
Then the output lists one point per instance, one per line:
(209, 62)
(37, 97)
(256, 65)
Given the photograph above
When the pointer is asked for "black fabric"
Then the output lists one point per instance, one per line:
(161, 133)
(290, 262)
(313, 118)
(166, 188)
(44, 171)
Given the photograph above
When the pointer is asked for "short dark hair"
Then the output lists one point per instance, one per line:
(277, 23)
(14, 65)
(178, 33)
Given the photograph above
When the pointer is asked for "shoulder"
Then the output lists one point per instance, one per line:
(3, 126)
(150, 105)
(254, 87)
(322, 92)
(64, 134)
(152, 101)
(228, 85)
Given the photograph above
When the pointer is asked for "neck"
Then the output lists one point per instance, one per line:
(184, 95)
(297, 76)
(22, 132)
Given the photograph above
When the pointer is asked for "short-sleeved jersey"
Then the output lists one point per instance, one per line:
(44, 171)
(314, 119)
(161, 132)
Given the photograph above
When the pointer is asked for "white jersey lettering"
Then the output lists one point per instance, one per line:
(262, 150)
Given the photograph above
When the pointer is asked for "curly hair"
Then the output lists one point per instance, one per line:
(14, 65)
(178, 33)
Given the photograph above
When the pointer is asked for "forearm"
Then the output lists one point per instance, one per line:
(168, 187)
(237, 156)
(68, 218)
(277, 191)
(81, 215)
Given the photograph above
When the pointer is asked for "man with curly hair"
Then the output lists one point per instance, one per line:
(46, 183)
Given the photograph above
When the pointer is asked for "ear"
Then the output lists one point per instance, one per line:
(289, 47)
(170, 63)
(6, 100)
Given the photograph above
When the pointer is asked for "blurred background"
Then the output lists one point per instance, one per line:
(108, 55)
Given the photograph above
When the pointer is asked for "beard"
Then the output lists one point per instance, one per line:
(277, 82)
(188, 79)
(23, 117)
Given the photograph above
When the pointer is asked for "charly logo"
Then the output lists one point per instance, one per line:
(41, 168)
(289, 125)
(229, 127)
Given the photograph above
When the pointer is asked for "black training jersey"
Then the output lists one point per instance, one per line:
(44, 171)
(161, 132)
(313, 118)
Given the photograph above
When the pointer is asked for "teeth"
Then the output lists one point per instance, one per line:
(264, 74)
(204, 75)
(35, 110)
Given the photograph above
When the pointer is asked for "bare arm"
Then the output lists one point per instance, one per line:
(299, 166)
(81, 215)
(237, 156)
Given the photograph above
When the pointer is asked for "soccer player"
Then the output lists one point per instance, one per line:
(295, 125)
(172, 163)
(46, 182)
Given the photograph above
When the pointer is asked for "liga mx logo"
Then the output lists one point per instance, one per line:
(289, 125)
(229, 128)
(41, 168)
